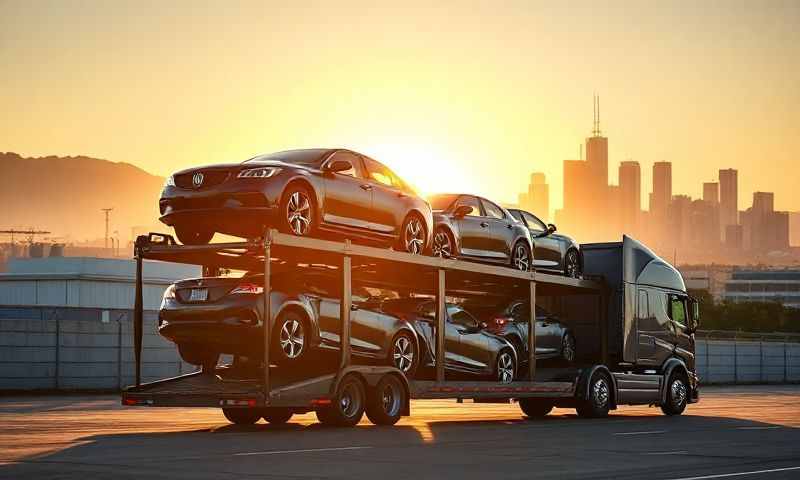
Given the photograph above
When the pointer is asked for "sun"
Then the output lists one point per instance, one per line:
(428, 168)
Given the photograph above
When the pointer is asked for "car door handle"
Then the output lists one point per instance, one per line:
(366, 187)
(401, 195)
(484, 224)
(353, 307)
(509, 226)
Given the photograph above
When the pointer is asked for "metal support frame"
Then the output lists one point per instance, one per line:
(267, 316)
(441, 311)
(532, 335)
(345, 309)
(138, 316)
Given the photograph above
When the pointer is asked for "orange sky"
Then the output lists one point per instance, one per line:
(463, 96)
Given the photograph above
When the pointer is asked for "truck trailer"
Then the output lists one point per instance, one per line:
(632, 316)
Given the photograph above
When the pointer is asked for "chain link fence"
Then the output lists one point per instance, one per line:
(732, 357)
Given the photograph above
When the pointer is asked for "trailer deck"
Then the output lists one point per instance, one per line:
(411, 274)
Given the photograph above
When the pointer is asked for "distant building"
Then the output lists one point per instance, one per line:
(630, 195)
(711, 193)
(711, 279)
(794, 229)
(728, 198)
(764, 229)
(734, 235)
(782, 286)
(537, 198)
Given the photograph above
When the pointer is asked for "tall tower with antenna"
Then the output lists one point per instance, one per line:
(107, 211)
(597, 150)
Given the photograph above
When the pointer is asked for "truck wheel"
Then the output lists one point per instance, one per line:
(677, 394)
(276, 415)
(347, 407)
(599, 402)
(242, 416)
(386, 400)
(535, 407)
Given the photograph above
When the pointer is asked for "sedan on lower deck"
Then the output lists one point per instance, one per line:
(474, 228)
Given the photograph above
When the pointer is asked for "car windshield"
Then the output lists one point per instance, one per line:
(441, 202)
(310, 157)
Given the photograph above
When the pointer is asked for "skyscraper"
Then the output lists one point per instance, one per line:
(630, 194)
(539, 196)
(662, 188)
(728, 198)
(597, 151)
(711, 193)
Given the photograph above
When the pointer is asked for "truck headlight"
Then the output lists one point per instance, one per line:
(169, 181)
(261, 172)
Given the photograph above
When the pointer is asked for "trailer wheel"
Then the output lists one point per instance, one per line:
(677, 394)
(242, 416)
(347, 407)
(535, 407)
(276, 415)
(599, 402)
(386, 400)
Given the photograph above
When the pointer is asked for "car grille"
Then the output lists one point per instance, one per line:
(211, 178)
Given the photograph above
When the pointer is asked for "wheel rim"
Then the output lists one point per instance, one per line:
(505, 368)
(403, 354)
(442, 247)
(521, 258)
(298, 213)
(292, 340)
(414, 236)
(678, 391)
(390, 399)
(600, 393)
(572, 264)
(350, 400)
(569, 348)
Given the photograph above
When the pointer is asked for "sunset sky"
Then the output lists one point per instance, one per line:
(462, 96)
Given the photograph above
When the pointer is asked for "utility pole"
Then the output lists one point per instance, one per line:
(108, 213)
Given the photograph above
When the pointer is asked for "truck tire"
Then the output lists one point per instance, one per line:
(347, 407)
(598, 402)
(241, 416)
(276, 415)
(386, 400)
(677, 394)
(535, 407)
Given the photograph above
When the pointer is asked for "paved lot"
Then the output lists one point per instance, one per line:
(731, 433)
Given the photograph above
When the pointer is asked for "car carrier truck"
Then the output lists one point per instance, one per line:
(631, 314)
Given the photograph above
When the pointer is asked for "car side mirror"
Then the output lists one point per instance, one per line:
(551, 228)
(337, 166)
(462, 211)
(484, 325)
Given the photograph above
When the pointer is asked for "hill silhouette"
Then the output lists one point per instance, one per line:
(65, 194)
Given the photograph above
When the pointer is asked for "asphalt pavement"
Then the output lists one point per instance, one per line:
(734, 432)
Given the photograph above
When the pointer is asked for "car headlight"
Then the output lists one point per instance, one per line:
(261, 172)
(170, 181)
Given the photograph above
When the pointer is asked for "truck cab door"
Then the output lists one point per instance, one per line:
(645, 324)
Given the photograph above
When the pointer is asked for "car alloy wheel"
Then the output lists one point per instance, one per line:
(298, 213)
(572, 267)
(403, 353)
(442, 246)
(292, 339)
(600, 393)
(505, 367)
(521, 258)
(414, 236)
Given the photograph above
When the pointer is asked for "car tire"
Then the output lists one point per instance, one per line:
(386, 401)
(599, 402)
(199, 356)
(572, 264)
(444, 244)
(193, 236)
(290, 338)
(242, 416)
(568, 347)
(404, 354)
(677, 394)
(297, 211)
(535, 407)
(276, 415)
(521, 257)
(413, 236)
(348, 405)
(505, 370)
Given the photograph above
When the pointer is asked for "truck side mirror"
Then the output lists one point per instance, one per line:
(694, 315)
